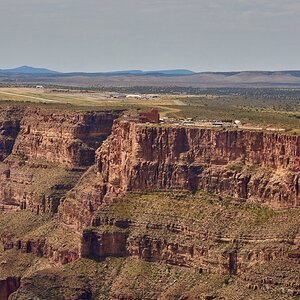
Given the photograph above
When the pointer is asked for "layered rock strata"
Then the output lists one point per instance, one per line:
(147, 158)
(202, 243)
(103, 243)
(42, 248)
(10, 118)
(68, 137)
(254, 166)
(38, 187)
(46, 147)
(50, 151)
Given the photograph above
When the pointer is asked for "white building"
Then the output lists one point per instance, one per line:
(134, 96)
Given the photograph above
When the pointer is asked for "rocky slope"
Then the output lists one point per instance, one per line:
(145, 245)
(156, 212)
(41, 235)
(218, 236)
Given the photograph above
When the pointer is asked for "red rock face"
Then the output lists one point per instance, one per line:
(68, 138)
(17, 189)
(217, 147)
(273, 189)
(103, 244)
(211, 259)
(42, 248)
(145, 158)
(80, 206)
(209, 252)
(9, 129)
(257, 166)
(12, 193)
(8, 286)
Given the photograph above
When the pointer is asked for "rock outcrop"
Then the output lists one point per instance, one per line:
(64, 137)
(103, 243)
(46, 152)
(38, 187)
(226, 240)
(10, 118)
(8, 286)
(186, 197)
(257, 166)
(42, 248)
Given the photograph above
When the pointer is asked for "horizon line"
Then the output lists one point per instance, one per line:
(154, 70)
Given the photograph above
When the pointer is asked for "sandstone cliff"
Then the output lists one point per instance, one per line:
(8, 286)
(257, 166)
(193, 230)
(46, 152)
(10, 118)
(224, 204)
(68, 137)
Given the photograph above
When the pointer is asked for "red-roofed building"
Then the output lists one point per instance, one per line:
(151, 116)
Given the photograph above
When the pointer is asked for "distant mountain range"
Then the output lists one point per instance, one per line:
(175, 72)
(177, 77)
(31, 70)
(28, 70)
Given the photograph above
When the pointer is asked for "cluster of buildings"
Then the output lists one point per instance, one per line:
(226, 123)
(133, 96)
(152, 117)
(214, 123)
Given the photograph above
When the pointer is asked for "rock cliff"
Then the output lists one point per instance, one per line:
(10, 118)
(45, 153)
(67, 137)
(8, 286)
(193, 230)
(176, 198)
(257, 166)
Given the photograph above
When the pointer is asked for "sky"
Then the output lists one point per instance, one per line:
(111, 35)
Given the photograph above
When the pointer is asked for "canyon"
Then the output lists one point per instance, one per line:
(257, 167)
(84, 193)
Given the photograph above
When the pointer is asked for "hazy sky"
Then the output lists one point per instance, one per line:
(107, 35)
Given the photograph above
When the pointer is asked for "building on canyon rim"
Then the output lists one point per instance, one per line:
(151, 116)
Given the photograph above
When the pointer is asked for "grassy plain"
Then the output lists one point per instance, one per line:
(275, 108)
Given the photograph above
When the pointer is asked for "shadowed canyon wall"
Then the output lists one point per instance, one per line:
(10, 119)
(41, 145)
(8, 286)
